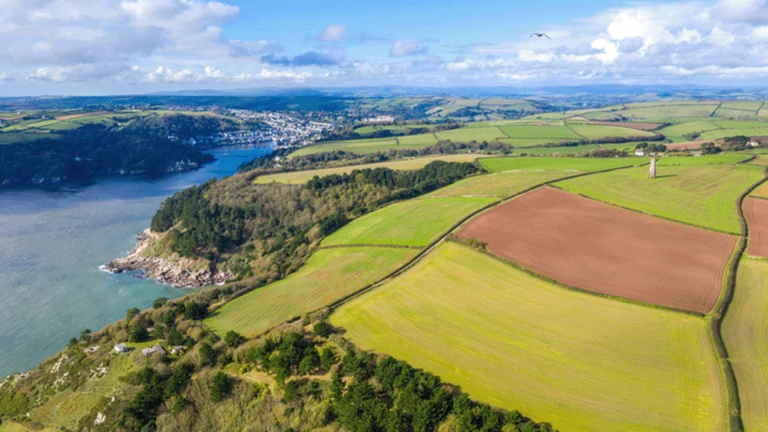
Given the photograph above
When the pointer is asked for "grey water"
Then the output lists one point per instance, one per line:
(52, 243)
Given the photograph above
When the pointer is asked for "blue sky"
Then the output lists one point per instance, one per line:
(135, 46)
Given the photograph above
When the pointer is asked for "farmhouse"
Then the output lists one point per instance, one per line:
(639, 152)
(120, 348)
(157, 349)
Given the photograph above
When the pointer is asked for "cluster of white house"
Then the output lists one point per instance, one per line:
(149, 351)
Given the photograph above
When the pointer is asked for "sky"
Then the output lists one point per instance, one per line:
(101, 47)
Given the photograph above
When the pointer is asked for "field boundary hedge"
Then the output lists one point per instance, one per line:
(733, 402)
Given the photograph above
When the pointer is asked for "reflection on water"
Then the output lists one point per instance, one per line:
(52, 242)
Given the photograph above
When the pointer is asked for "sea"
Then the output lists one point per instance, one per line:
(53, 241)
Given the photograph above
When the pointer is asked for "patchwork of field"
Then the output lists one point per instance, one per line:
(745, 331)
(694, 193)
(676, 132)
(581, 362)
(415, 222)
(607, 250)
(327, 276)
(661, 112)
(301, 177)
(590, 131)
(500, 164)
(756, 212)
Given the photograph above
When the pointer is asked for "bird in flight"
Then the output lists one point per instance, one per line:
(540, 35)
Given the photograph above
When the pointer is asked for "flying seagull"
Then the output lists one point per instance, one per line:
(538, 35)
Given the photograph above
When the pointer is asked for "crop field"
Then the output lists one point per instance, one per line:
(500, 164)
(581, 362)
(700, 195)
(501, 185)
(735, 114)
(531, 142)
(745, 331)
(742, 105)
(725, 133)
(471, 134)
(676, 132)
(756, 212)
(590, 131)
(570, 150)
(301, 177)
(761, 191)
(531, 131)
(630, 125)
(421, 140)
(735, 124)
(668, 111)
(600, 116)
(415, 222)
(720, 159)
(356, 146)
(607, 250)
(327, 276)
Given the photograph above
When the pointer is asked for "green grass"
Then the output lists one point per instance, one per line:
(581, 362)
(676, 132)
(415, 222)
(328, 276)
(668, 111)
(742, 105)
(371, 145)
(701, 195)
(531, 142)
(599, 131)
(301, 177)
(555, 163)
(735, 124)
(745, 331)
(531, 131)
(720, 159)
(20, 137)
(471, 134)
(397, 129)
(502, 185)
(761, 191)
(571, 150)
(725, 133)
(421, 140)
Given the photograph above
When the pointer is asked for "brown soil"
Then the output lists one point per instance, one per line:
(688, 145)
(604, 249)
(756, 212)
(631, 125)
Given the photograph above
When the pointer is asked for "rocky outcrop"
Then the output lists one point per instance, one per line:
(174, 273)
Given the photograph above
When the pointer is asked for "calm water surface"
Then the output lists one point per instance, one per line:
(52, 243)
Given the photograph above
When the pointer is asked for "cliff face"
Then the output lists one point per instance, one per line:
(178, 273)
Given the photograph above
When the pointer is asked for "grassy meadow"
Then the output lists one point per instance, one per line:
(301, 177)
(701, 195)
(581, 362)
(745, 331)
(592, 131)
(545, 131)
(501, 185)
(327, 276)
(500, 164)
(415, 222)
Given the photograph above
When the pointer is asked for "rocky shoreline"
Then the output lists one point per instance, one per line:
(176, 274)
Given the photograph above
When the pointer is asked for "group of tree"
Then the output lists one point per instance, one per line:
(651, 147)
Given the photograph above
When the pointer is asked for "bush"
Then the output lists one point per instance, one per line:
(138, 334)
(221, 385)
(233, 339)
(323, 329)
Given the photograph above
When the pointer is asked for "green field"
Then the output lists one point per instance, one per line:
(701, 195)
(725, 133)
(720, 159)
(531, 142)
(667, 111)
(531, 131)
(421, 140)
(501, 185)
(301, 177)
(471, 134)
(743, 105)
(761, 191)
(581, 362)
(590, 131)
(16, 137)
(500, 164)
(676, 132)
(396, 129)
(327, 276)
(415, 222)
(745, 331)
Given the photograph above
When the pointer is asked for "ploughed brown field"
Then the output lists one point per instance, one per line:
(687, 145)
(608, 250)
(756, 212)
(631, 125)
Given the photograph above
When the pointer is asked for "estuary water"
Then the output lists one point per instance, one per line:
(52, 243)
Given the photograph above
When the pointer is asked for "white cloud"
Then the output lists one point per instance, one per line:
(407, 47)
(333, 33)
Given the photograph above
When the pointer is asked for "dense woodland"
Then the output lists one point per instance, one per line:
(267, 230)
(140, 146)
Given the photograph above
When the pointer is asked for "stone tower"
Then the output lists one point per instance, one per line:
(652, 169)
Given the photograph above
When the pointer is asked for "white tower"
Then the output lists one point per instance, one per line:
(652, 169)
